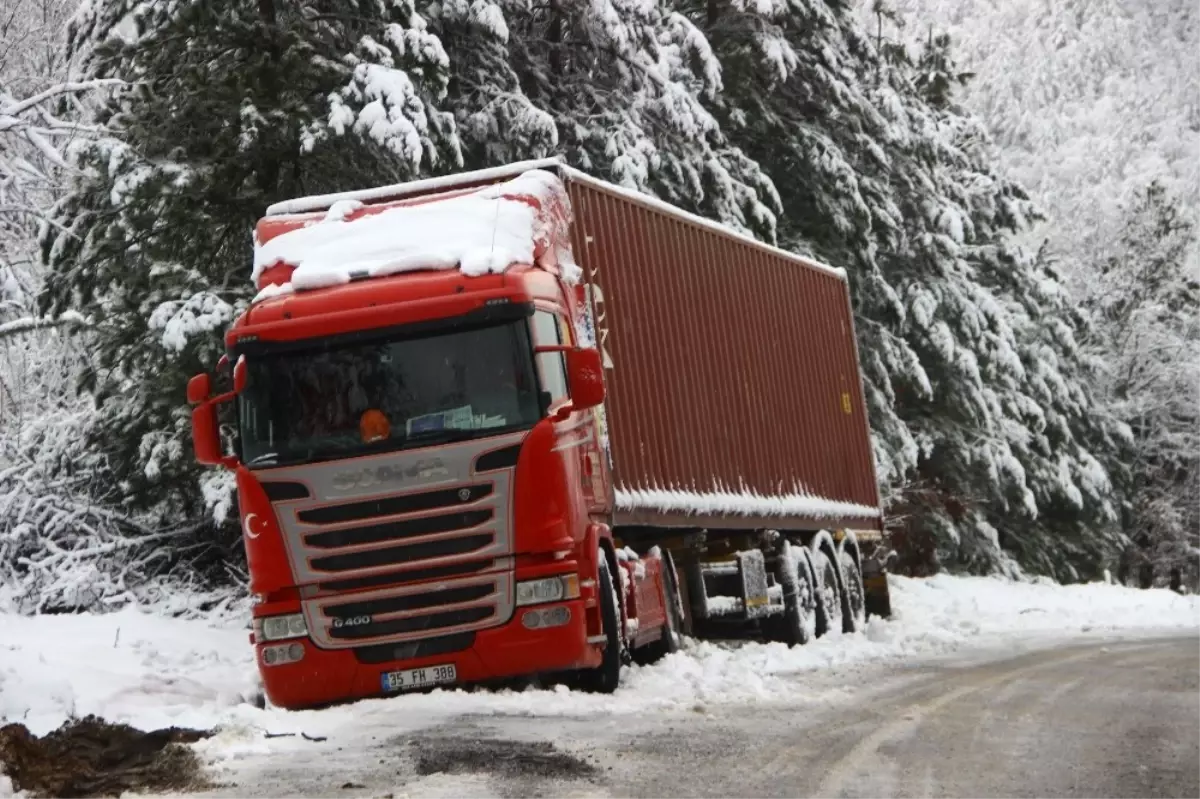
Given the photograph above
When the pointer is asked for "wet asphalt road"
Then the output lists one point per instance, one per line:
(1118, 718)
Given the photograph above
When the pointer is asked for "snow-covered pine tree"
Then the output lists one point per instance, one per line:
(1057, 449)
(225, 107)
(614, 86)
(879, 171)
(1145, 336)
(497, 122)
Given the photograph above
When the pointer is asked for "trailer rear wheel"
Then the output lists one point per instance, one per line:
(829, 594)
(605, 678)
(855, 608)
(798, 625)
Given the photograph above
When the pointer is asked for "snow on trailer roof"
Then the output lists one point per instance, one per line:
(481, 177)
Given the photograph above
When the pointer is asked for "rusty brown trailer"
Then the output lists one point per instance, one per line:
(733, 367)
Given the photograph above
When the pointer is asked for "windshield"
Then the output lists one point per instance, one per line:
(334, 402)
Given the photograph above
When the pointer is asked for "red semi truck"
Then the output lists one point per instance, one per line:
(522, 421)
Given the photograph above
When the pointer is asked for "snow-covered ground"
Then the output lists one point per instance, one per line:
(150, 671)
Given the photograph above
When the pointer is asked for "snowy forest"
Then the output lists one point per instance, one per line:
(1012, 189)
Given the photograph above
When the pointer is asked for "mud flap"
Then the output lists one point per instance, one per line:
(877, 599)
(752, 578)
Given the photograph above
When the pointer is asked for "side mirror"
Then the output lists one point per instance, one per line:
(206, 435)
(199, 389)
(585, 378)
(206, 439)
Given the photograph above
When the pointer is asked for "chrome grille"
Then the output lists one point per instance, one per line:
(411, 612)
(417, 543)
(367, 517)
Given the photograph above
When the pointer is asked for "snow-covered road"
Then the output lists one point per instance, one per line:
(1104, 718)
(152, 672)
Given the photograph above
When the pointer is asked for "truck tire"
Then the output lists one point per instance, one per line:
(829, 594)
(798, 624)
(669, 642)
(801, 612)
(854, 610)
(605, 678)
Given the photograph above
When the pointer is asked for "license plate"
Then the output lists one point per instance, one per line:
(411, 679)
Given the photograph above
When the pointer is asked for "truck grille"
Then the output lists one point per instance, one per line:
(409, 529)
(379, 580)
(409, 612)
(387, 556)
(411, 503)
(426, 647)
(402, 547)
(373, 534)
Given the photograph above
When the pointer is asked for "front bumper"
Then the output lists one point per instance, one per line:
(325, 676)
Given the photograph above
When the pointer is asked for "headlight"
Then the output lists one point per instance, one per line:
(276, 628)
(549, 589)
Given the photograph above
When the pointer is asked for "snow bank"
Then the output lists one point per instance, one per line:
(131, 666)
(482, 232)
(151, 671)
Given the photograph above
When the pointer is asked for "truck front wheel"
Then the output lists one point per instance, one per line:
(605, 678)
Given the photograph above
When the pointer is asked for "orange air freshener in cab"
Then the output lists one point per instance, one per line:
(374, 426)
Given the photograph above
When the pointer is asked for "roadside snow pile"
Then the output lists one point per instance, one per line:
(485, 231)
(965, 607)
(144, 670)
(150, 671)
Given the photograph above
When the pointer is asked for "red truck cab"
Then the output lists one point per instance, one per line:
(423, 493)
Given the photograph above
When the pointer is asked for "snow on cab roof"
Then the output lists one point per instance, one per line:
(480, 232)
(448, 232)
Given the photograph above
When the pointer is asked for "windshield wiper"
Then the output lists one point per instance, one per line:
(266, 459)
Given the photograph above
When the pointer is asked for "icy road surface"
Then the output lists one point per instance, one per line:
(973, 679)
(1099, 719)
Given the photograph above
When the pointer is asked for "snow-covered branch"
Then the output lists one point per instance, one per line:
(29, 324)
(16, 107)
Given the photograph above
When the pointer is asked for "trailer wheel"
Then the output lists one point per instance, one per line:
(855, 607)
(798, 625)
(669, 642)
(605, 678)
(829, 594)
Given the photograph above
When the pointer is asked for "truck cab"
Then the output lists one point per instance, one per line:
(423, 495)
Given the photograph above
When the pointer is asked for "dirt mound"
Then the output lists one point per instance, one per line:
(91, 757)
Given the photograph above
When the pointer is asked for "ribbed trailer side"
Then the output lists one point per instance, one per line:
(734, 395)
